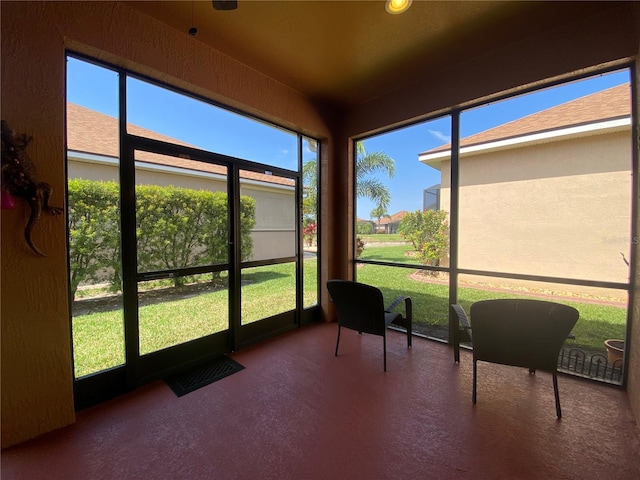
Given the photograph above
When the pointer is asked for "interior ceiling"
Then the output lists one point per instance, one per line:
(349, 52)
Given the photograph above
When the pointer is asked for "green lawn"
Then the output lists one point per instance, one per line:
(99, 338)
(597, 322)
(382, 238)
(394, 253)
(185, 314)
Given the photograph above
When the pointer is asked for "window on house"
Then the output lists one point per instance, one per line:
(431, 198)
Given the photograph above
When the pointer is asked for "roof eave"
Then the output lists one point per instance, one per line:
(435, 159)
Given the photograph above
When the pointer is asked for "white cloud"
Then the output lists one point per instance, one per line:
(440, 136)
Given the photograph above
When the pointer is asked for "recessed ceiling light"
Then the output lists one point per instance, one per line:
(397, 6)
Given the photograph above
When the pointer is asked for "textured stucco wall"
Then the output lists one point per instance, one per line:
(37, 376)
(558, 209)
(37, 379)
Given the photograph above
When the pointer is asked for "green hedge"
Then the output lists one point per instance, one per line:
(176, 228)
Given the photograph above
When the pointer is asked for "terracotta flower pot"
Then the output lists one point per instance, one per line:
(615, 349)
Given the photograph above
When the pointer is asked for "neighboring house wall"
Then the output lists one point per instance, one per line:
(274, 232)
(92, 140)
(390, 223)
(383, 227)
(392, 227)
(557, 209)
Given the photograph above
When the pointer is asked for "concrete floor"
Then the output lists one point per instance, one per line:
(298, 412)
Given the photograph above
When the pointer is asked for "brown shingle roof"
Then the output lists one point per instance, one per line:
(605, 105)
(93, 132)
(396, 217)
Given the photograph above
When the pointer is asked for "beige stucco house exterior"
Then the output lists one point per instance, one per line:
(548, 194)
(92, 153)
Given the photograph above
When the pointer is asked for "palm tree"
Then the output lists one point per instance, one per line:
(367, 164)
(379, 212)
(310, 188)
(367, 186)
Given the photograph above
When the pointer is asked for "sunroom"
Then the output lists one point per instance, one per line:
(328, 76)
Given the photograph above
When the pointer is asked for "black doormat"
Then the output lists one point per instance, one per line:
(196, 377)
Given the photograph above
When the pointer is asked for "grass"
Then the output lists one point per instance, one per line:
(394, 253)
(597, 322)
(266, 291)
(168, 323)
(381, 237)
(430, 305)
(172, 316)
(98, 341)
(259, 286)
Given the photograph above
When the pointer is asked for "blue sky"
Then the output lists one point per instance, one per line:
(220, 131)
(181, 117)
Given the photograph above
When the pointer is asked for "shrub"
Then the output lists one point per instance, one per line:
(364, 228)
(171, 227)
(94, 239)
(176, 228)
(428, 232)
(359, 246)
(179, 227)
(309, 232)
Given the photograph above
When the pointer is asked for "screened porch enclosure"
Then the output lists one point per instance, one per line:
(179, 253)
(526, 197)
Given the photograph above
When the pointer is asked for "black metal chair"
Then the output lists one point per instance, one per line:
(360, 307)
(521, 333)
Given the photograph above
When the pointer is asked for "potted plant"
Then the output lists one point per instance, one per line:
(615, 350)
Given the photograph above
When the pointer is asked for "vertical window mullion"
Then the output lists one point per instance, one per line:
(454, 191)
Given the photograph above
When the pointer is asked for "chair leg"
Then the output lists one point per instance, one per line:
(557, 395)
(384, 350)
(475, 374)
(338, 341)
(409, 314)
(456, 346)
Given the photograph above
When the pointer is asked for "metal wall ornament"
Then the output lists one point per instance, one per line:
(19, 181)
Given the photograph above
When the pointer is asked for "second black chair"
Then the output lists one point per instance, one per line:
(521, 333)
(360, 307)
